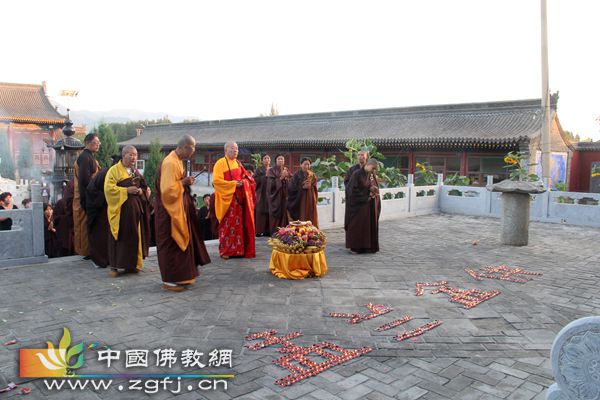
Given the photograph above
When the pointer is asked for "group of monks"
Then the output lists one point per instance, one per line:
(282, 197)
(113, 213)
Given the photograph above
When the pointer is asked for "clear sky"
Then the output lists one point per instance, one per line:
(228, 59)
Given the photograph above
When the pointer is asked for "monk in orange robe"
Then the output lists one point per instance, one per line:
(179, 243)
(235, 196)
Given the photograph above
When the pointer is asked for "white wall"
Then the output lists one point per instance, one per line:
(466, 200)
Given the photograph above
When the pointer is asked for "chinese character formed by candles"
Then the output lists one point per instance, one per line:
(503, 273)
(394, 324)
(296, 358)
(271, 339)
(421, 285)
(469, 298)
(418, 331)
(355, 318)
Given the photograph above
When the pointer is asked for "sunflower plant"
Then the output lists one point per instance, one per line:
(518, 165)
(424, 175)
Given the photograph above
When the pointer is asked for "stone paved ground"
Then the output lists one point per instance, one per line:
(498, 350)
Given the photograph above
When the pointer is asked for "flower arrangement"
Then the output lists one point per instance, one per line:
(298, 237)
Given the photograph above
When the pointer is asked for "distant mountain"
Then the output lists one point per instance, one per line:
(95, 118)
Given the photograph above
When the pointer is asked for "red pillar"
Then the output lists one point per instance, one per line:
(464, 164)
(574, 176)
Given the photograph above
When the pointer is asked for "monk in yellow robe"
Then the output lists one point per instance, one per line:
(85, 167)
(128, 213)
(179, 241)
(235, 196)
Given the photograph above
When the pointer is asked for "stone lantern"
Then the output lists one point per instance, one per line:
(67, 150)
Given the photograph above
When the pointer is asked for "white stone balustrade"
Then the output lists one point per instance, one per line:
(575, 357)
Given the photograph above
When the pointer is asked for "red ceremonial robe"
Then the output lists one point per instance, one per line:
(237, 230)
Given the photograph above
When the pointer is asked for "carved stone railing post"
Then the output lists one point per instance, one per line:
(575, 359)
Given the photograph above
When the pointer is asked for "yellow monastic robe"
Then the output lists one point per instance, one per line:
(115, 197)
(171, 195)
(224, 190)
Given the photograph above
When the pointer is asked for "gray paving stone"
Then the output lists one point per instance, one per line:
(499, 349)
(413, 393)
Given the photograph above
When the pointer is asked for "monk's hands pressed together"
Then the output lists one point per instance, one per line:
(188, 181)
(134, 190)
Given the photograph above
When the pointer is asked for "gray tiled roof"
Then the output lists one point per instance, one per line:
(28, 104)
(587, 146)
(490, 125)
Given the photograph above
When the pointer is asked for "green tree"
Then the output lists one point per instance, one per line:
(457, 180)
(108, 146)
(324, 170)
(154, 158)
(353, 146)
(391, 177)
(256, 159)
(25, 158)
(572, 137)
(274, 111)
(7, 167)
(128, 130)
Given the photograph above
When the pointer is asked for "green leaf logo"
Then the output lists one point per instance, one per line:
(59, 358)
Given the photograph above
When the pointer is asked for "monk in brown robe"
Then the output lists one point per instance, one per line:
(128, 214)
(179, 241)
(277, 187)
(303, 194)
(86, 167)
(63, 221)
(50, 240)
(204, 217)
(363, 156)
(97, 221)
(214, 221)
(261, 210)
(363, 207)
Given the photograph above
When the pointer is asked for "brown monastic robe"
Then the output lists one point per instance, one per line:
(176, 265)
(303, 197)
(261, 210)
(277, 195)
(63, 221)
(214, 221)
(362, 213)
(97, 221)
(86, 167)
(123, 253)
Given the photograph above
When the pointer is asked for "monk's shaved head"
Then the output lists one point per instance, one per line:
(127, 149)
(186, 140)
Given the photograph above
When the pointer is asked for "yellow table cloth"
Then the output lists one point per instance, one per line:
(297, 266)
